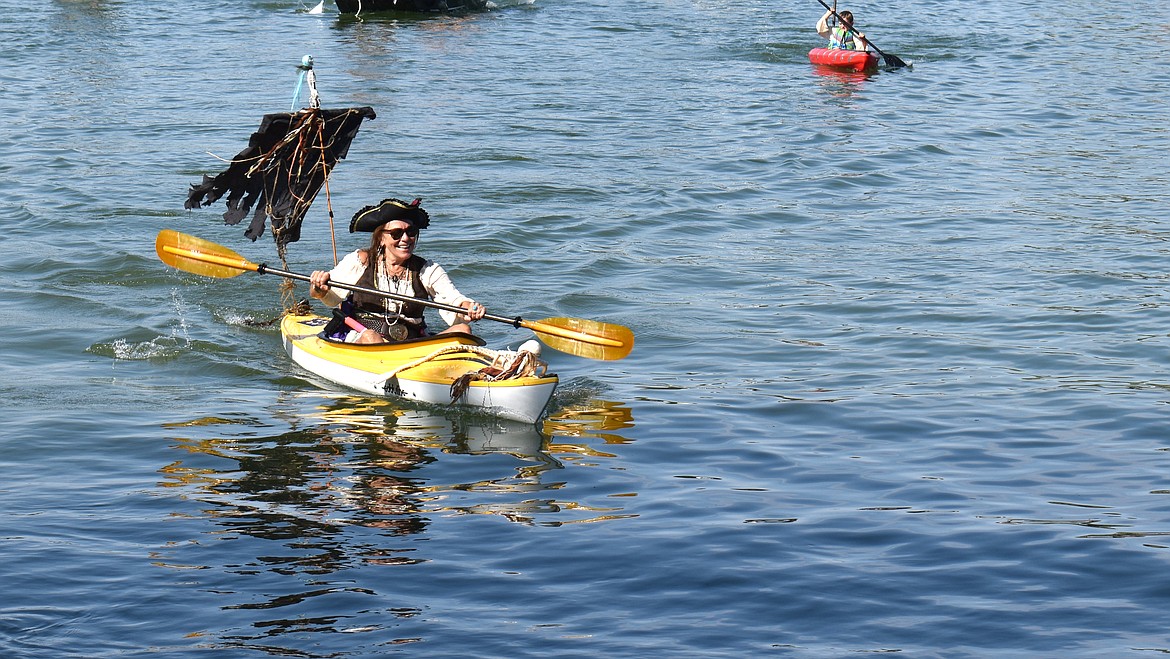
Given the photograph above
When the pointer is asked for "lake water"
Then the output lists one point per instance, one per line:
(900, 381)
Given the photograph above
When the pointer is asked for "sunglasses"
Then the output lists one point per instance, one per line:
(396, 233)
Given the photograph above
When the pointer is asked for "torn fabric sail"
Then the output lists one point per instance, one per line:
(287, 161)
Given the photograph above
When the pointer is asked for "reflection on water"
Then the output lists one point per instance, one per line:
(598, 420)
(366, 462)
(356, 417)
(350, 461)
(353, 483)
(840, 83)
(354, 462)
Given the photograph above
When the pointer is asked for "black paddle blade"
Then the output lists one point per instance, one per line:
(893, 61)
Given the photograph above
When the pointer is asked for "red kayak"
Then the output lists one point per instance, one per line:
(856, 60)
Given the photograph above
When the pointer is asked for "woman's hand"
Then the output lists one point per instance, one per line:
(475, 310)
(319, 284)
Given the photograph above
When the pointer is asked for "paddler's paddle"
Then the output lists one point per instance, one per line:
(576, 336)
(892, 61)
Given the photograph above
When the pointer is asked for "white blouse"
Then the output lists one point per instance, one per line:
(434, 279)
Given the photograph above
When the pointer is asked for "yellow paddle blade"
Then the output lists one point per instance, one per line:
(202, 257)
(585, 338)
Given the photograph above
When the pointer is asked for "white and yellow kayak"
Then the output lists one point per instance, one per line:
(447, 369)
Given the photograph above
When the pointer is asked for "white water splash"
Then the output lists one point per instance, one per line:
(143, 350)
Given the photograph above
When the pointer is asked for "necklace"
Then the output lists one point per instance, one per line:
(396, 272)
(390, 279)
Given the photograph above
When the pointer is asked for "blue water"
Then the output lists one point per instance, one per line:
(900, 382)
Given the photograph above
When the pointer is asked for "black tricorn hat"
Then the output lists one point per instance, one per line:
(372, 217)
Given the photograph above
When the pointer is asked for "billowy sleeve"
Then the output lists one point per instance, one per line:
(348, 271)
(439, 285)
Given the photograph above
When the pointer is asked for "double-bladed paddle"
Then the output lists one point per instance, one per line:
(892, 61)
(576, 336)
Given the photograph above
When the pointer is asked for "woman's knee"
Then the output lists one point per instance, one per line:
(370, 336)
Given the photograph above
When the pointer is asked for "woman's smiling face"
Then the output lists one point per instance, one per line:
(401, 247)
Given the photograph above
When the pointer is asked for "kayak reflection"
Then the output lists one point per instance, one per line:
(356, 461)
(840, 84)
(277, 523)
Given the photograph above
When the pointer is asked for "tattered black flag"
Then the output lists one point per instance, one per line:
(287, 161)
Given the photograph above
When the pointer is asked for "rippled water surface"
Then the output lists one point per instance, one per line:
(900, 381)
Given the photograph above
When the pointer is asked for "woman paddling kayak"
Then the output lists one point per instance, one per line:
(391, 265)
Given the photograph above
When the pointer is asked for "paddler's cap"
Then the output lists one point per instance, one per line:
(372, 217)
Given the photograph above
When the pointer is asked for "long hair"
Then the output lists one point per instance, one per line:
(374, 252)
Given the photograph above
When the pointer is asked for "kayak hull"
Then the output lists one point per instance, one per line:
(853, 60)
(378, 370)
